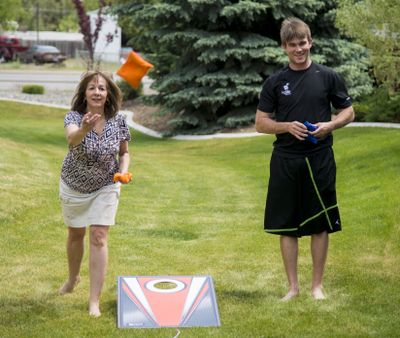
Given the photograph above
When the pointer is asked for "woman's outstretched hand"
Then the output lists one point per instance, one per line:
(89, 121)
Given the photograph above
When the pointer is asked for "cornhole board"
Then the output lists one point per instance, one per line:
(166, 301)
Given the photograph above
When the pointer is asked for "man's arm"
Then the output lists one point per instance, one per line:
(344, 117)
(265, 124)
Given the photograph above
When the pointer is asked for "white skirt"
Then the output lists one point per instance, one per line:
(96, 208)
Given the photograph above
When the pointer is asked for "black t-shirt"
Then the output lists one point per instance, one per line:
(305, 95)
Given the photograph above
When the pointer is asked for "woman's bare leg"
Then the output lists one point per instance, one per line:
(75, 249)
(98, 259)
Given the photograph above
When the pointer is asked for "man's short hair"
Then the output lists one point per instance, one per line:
(294, 28)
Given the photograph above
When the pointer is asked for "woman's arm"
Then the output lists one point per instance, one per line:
(124, 158)
(75, 134)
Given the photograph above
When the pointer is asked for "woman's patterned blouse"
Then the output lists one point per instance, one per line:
(92, 164)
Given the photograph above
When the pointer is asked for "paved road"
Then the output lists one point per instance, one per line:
(51, 80)
(15, 79)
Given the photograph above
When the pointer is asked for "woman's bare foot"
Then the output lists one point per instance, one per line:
(69, 286)
(318, 293)
(94, 309)
(290, 295)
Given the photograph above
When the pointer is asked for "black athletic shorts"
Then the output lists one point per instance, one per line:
(301, 197)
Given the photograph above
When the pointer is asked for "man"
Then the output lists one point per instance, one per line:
(301, 199)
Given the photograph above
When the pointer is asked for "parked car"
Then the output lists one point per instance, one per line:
(42, 54)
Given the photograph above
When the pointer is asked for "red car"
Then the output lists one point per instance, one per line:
(42, 54)
(10, 46)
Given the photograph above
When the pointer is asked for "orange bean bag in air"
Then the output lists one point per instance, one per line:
(133, 70)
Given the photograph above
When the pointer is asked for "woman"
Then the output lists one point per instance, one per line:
(98, 149)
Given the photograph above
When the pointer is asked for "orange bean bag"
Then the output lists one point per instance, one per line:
(133, 70)
(123, 178)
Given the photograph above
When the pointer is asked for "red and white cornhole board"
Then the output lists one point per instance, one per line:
(189, 301)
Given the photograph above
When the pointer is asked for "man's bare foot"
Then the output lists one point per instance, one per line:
(290, 295)
(69, 286)
(318, 293)
(94, 309)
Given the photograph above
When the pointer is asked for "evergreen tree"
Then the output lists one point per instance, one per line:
(212, 56)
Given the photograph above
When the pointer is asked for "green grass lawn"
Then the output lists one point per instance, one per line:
(196, 208)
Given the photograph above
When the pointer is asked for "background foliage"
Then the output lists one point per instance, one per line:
(10, 10)
(376, 25)
(45, 15)
(212, 56)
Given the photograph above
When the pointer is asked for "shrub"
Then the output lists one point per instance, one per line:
(128, 92)
(33, 89)
(380, 106)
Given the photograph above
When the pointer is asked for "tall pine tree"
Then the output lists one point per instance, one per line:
(212, 56)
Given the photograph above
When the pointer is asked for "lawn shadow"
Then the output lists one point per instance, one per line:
(29, 310)
(245, 295)
(170, 233)
(110, 307)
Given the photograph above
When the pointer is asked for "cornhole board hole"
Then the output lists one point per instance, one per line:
(166, 301)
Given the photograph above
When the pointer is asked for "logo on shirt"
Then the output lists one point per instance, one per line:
(286, 91)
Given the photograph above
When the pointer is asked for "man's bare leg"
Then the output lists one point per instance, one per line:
(75, 249)
(289, 250)
(98, 258)
(319, 252)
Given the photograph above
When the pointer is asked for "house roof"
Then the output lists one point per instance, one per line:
(48, 36)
